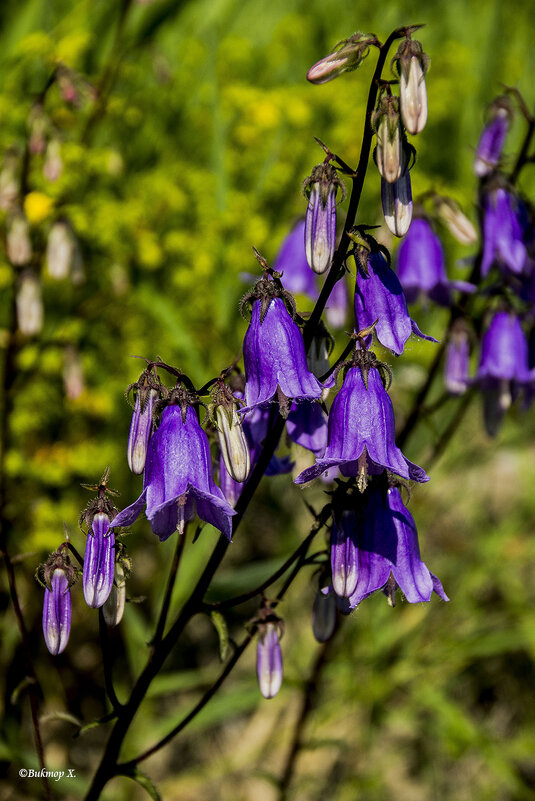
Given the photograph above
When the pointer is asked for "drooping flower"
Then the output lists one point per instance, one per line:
(307, 426)
(503, 367)
(361, 429)
(388, 550)
(291, 262)
(99, 561)
(178, 475)
(320, 224)
(274, 351)
(421, 267)
(269, 659)
(502, 232)
(457, 361)
(57, 612)
(379, 297)
(490, 146)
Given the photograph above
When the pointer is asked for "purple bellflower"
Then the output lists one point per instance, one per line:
(320, 223)
(99, 561)
(291, 262)
(379, 296)
(178, 475)
(421, 267)
(503, 366)
(274, 351)
(57, 612)
(388, 554)
(490, 146)
(307, 426)
(361, 429)
(502, 233)
(457, 363)
(269, 658)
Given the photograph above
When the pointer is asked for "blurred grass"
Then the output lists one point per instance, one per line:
(200, 154)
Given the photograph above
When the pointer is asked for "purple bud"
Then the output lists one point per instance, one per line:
(269, 660)
(492, 138)
(320, 222)
(99, 561)
(457, 366)
(344, 554)
(397, 203)
(140, 431)
(57, 613)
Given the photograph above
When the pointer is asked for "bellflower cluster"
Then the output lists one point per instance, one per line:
(178, 480)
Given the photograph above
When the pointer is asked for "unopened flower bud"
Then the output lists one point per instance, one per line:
(320, 222)
(9, 187)
(269, 659)
(73, 374)
(412, 64)
(458, 223)
(344, 555)
(19, 246)
(61, 250)
(141, 428)
(29, 305)
(233, 444)
(397, 203)
(324, 614)
(389, 149)
(99, 561)
(53, 166)
(347, 55)
(113, 608)
(57, 612)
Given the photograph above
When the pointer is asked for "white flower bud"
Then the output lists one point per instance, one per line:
(113, 608)
(234, 448)
(389, 149)
(19, 246)
(60, 249)
(397, 204)
(458, 223)
(29, 305)
(413, 96)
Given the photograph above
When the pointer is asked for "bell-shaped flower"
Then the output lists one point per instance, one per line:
(491, 141)
(379, 297)
(178, 478)
(503, 367)
(457, 361)
(388, 550)
(503, 236)
(269, 659)
(361, 431)
(274, 357)
(57, 612)
(291, 262)
(421, 267)
(307, 426)
(99, 561)
(320, 224)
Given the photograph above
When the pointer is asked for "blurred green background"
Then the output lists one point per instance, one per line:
(184, 132)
